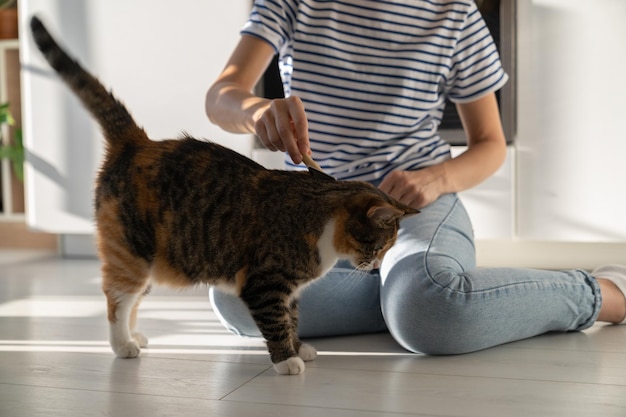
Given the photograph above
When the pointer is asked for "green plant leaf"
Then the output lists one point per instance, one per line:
(9, 152)
(13, 152)
(5, 115)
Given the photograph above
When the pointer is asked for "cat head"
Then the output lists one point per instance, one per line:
(369, 227)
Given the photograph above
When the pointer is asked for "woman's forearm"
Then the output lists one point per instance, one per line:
(230, 102)
(233, 108)
(473, 166)
(486, 145)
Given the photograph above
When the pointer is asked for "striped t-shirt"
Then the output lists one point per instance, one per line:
(374, 75)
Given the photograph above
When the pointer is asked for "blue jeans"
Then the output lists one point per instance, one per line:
(432, 298)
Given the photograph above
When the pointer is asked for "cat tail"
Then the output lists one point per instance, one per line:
(116, 122)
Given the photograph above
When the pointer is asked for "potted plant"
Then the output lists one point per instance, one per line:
(13, 151)
(8, 19)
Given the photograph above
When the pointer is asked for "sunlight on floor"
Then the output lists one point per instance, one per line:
(162, 308)
(197, 331)
(56, 306)
(78, 346)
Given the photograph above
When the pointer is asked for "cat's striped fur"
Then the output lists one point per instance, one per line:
(185, 212)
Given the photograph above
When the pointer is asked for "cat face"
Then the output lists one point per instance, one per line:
(370, 230)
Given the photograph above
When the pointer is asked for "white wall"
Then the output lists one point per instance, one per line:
(159, 57)
(571, 135)
(569, 180)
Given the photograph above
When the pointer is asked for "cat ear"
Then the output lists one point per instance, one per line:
(408, 210)
(383, 215)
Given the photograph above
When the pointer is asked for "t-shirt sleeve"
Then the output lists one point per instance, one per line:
(272, 21)
(475, 66)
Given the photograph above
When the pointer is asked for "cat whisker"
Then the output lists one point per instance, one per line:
(350, 281)
(346, 282)
(367, 266)
(356, 273)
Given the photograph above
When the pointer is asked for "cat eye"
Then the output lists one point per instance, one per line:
(377, 250)
(365, 241)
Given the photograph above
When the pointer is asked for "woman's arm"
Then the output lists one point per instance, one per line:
(485, 154)
(486, 144)
(231, 104)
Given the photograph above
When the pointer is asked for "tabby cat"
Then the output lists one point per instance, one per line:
(185, 212)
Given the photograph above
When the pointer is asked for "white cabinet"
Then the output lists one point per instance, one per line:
(571, 143)
(491, 204)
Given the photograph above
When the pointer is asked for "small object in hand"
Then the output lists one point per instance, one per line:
(314, 168)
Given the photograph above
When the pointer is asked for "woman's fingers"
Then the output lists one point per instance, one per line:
(284, 127)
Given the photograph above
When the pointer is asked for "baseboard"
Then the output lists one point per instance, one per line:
(16, 235)
(548, 255)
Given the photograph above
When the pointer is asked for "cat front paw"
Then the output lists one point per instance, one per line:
(129, 349)
(307, 352)
(141, 340)
(291, 366)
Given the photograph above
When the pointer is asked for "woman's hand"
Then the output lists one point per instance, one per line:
(283, 126)
(416, 189)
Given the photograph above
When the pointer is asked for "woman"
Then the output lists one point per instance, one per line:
(365, 85)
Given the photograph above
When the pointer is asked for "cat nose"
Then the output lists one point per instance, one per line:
(376, 264)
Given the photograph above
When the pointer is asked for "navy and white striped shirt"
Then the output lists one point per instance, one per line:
(374, 74)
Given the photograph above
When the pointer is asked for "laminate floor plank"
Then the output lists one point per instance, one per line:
(143, 375)
(28, 401)
(434, 395)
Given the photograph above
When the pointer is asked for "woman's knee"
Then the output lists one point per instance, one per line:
(424, 334)
(430, 316)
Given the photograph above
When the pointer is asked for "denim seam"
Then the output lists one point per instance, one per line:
(430, 243)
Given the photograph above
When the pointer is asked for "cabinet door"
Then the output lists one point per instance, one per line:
(491, 204)
(159, 57)
(571, 140)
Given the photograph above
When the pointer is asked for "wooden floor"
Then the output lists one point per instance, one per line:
(55, 361)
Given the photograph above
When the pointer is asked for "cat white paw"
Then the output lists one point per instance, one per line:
(307, 352)
(129, 349)
(141, 340)
(291, 366)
